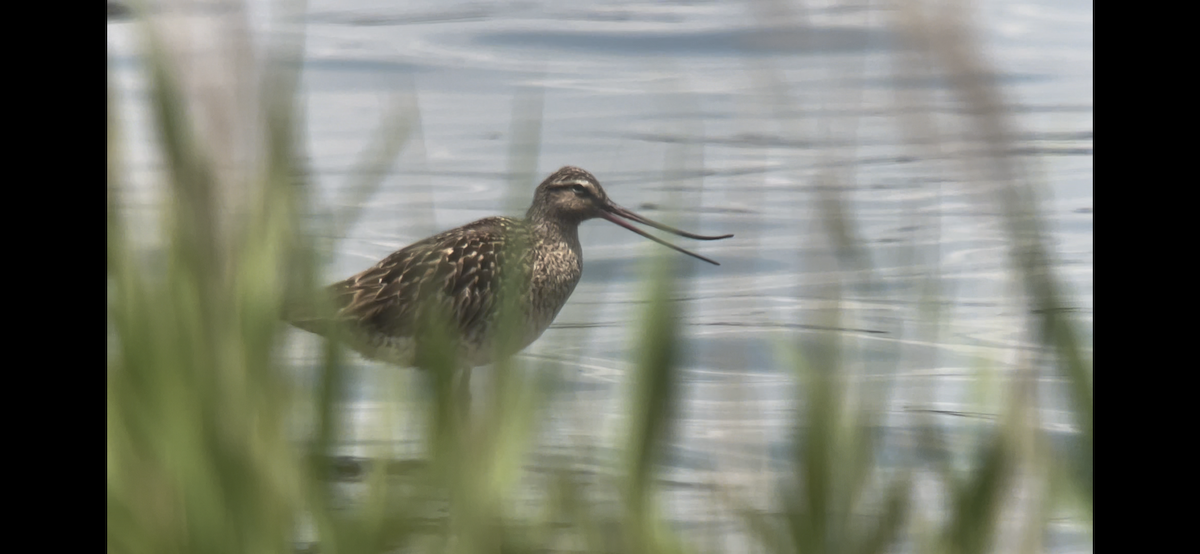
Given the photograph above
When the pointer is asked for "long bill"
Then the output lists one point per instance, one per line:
(611, 211)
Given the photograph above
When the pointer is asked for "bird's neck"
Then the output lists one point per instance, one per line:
(550, 231)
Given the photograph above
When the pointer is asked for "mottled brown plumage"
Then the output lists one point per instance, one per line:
(455, 278)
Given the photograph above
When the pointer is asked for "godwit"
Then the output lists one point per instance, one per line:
(456, 277)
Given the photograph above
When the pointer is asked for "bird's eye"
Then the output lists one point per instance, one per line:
(578, 189)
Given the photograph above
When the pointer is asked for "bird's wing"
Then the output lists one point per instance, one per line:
(456, 273)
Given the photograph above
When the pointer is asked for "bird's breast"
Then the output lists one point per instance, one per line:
(556, 270)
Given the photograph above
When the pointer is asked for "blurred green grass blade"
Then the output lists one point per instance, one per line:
(974, 83)
(198, 457)
(977, 500)
(818, 448)
(393, 135)
(654, 394)
(517, 397)
(524, 145)
(655, 381)
(115, 167)
(189, 166)
(889, 525)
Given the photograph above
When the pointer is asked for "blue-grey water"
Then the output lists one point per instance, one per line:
(713, 110)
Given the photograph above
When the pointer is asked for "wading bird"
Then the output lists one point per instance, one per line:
(452, 282)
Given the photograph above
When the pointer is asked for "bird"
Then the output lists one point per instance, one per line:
(453, 281)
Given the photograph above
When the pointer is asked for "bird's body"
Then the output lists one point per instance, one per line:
(458, 272)
(456, 277)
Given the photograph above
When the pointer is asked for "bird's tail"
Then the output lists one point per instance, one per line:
(304, 312)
